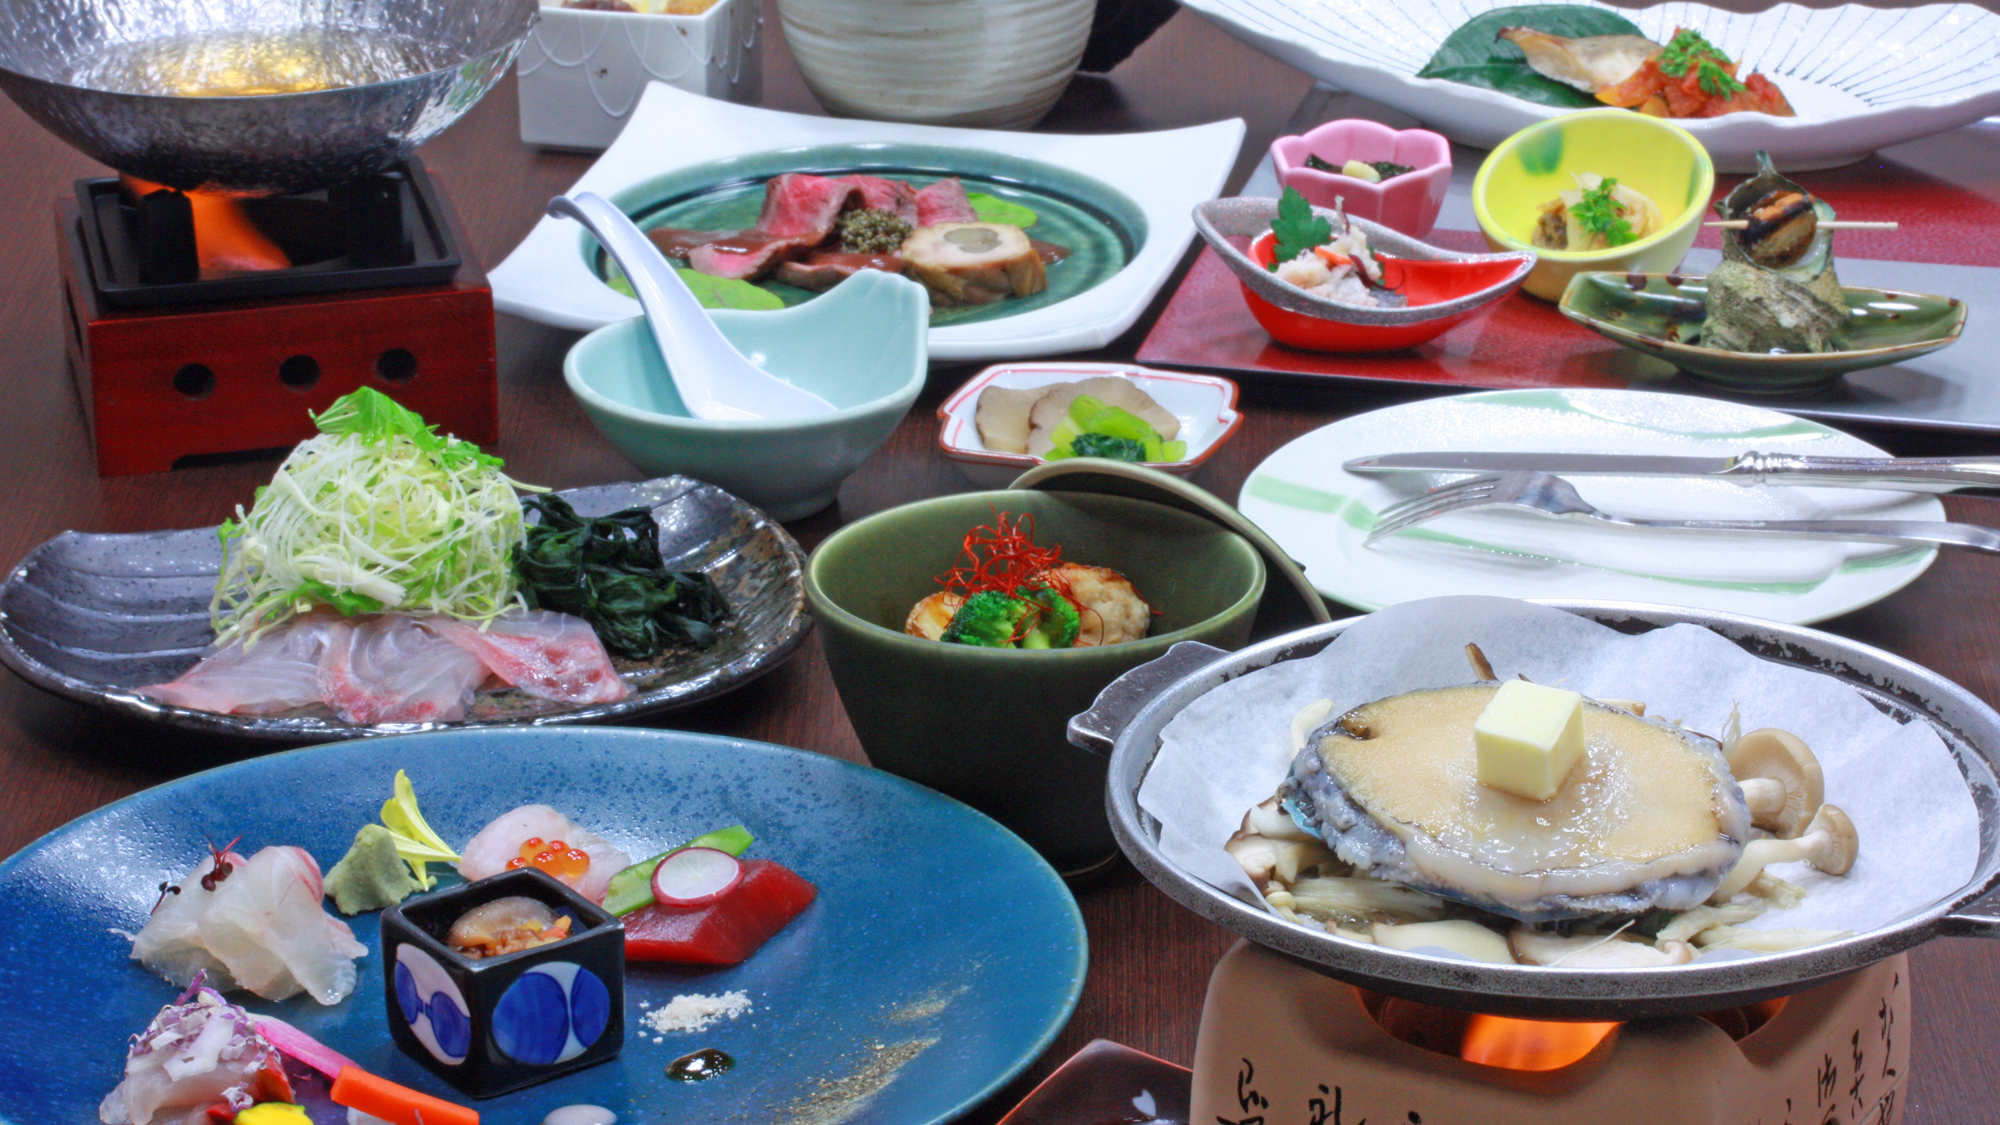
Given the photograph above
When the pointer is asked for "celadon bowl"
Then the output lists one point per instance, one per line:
(863, 347)
(1659, 159)
(988, 726)
(1664, 316)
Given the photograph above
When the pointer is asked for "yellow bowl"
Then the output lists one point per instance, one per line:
(1533, 166)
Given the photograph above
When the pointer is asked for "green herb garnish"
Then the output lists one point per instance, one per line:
(1688, 50)
(608, 571)
(1297, 228)
(1598, 213)
(871, 231)
(1383, 168)
(1473, 56)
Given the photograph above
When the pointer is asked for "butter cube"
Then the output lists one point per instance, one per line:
(1528, 739)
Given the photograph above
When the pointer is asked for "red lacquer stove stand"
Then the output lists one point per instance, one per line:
(1281, 1044)
(223, 376)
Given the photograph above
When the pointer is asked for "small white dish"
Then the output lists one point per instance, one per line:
(1861, 78)
(1205, 405)
(549, 279)
(1321, 514)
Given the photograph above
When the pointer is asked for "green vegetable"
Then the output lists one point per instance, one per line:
(632, 888)
(993, 209)
(1383, 168)
(1057, 624)
(1599, 213)
(712, 292)
(1297, 227)
(1475, 55)
(1095, 429)
(608, 571)
(1688, 49)
(379, 512)
(1104, 445)
(1031, 617)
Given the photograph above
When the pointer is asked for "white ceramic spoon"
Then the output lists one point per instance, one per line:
(715, 380)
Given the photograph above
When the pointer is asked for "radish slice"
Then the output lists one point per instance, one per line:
(695, 877)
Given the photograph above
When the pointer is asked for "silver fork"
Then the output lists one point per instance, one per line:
(1552, 495)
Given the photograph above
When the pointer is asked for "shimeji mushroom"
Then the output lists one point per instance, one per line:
(1781, 780)
(1467, 939)
(1601, 951)
(1829, 845)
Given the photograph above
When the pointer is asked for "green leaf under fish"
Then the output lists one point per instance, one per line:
(712, 292)
(993, 209)
(1475, 55)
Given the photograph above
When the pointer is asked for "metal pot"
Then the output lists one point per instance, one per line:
(262, 144)
(1127, 718)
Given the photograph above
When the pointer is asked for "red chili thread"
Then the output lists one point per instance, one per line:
(1003, 556)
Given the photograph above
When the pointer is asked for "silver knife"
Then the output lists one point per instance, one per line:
(1917, 474)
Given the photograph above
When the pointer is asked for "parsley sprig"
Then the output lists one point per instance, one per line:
(1689, 51)
(1598, 213)
(1297, 228)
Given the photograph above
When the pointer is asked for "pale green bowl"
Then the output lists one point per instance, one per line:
(1533, 166)
(863, 347)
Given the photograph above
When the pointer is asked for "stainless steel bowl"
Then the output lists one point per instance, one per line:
(261, 144)
(1126, 723)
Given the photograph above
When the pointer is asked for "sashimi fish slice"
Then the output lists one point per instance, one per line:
(489, 852)
(548, 655)
(1590, 63)
(277, 672)
(392, 669)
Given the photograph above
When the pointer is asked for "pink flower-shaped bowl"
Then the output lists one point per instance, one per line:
(1408, 203)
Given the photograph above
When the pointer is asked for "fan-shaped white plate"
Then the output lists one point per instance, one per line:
(1860, 78)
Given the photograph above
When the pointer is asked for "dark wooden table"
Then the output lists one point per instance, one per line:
(1150, 959)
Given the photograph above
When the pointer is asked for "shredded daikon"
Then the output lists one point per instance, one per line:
(377, 513)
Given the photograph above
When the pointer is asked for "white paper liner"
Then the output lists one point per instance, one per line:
(1230, 749)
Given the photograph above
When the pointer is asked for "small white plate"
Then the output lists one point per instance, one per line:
(548, 277)
(1205, 405)
(1860, 77)
(1321, 513)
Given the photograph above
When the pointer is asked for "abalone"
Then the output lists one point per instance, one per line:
(1649, 819)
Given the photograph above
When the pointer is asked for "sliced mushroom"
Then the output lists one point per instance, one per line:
(1002, 418)
(1482, 668)
(1338, 898)
(1782, 782)
(1689, 925)
(1829, 844)
(1469, 939)
(1767, 941)
(1270, 819)
(1588, 951)
(1308, 720)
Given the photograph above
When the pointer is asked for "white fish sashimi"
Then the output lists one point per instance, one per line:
(200, 1050)
(262, 928)
(277, 673)
(548, 655)
(390, 669)
(489, 852)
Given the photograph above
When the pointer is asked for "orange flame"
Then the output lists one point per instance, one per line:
(224, 237)
(1530, 1044)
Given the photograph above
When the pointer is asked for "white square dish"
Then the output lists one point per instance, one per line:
(1154, 178)
(1205, 405)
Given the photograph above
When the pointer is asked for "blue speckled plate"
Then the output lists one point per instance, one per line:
(941, 958)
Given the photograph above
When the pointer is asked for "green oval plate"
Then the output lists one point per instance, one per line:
(1100, 226)
(1663, 315)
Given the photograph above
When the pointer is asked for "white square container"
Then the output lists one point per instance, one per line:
(582, 70)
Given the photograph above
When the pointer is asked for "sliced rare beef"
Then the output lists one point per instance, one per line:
(944, 202)
(823, 269)
(798, 205)
(878, 194)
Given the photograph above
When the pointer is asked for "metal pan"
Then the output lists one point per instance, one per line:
(1127, 719)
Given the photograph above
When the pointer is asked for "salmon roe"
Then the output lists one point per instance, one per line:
(553, 856)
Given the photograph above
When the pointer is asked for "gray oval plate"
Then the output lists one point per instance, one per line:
(93, 617)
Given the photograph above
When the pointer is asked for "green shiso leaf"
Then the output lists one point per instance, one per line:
(1475, 55)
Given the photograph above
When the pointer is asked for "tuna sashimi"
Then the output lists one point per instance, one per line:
(548, 655)
(278, 672)
(391, 669)
(258, 924)
(727, 931)
(944, 202)
(499, 844)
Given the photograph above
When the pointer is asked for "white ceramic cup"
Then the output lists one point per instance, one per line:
(997, 64)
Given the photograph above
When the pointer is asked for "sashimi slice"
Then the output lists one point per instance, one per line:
(200, 1050)
(390, 669)
(261, 927)
(278, 672)
(727, 931)
(499, 843)
(548, 655)
(944, 202)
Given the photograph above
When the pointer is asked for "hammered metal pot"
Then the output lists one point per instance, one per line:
(264, 144)
(1127, 719)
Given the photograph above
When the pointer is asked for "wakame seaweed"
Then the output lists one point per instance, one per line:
(608, 571)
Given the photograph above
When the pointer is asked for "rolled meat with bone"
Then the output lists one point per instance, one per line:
(1650, 817)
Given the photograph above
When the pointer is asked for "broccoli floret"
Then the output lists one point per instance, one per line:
(1033, 617)
(988, 619)
(1104, 445)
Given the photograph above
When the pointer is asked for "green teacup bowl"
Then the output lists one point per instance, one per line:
(988, 726)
